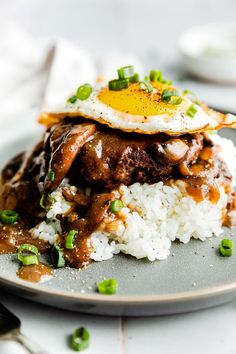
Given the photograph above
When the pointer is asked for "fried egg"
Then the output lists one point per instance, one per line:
(135, 110)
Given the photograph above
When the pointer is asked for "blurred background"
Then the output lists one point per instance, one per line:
(139, 26)
(123, 32)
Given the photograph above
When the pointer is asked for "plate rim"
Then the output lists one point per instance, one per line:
(191, 295)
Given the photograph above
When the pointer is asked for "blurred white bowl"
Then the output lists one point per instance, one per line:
(209, 52)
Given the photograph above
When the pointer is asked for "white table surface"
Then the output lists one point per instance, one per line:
(142, 28)
(210, 331)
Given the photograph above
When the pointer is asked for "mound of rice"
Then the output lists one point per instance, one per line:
(154, 215)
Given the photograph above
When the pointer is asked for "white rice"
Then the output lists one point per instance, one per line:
(154, 215)
(59, 205)
(49, 230)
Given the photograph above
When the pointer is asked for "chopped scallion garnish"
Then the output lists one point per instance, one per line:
(167, 82)
(156, 76)
(28, 247)
(41, 202)
(190, 94)
(118, 84)
(80, 339)
(226, 248)
(28, 259)
(8, 216)
(197, 102)
(167, 94)
(134, 78)
(192, 110)
(57, 257)
(84, 91)
(116, 206)
(146, 86)
(108, 286)
(70, 239)
(126, 72)
(51, 175)
(175, 100)
(72, 99)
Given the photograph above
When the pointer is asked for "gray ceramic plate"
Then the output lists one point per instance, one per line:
(193, 277)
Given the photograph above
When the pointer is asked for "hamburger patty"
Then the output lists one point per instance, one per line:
(103, 158)
(112, 158)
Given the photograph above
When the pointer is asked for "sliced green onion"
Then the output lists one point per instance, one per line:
(72, 99)
(189, 93)
(70, 239)
(125, 72)
(167, 94)
(156, 76)
(80, 339)
(41, 202)
(167, 82)
(192, 110)
(192, 96)
(146, 86)
(227, 243)
(28, 259)
(51, 199)
(51, 175)
(226, 248)
(116, 206)
(29, 248)
(225, 252)
(175, 100)
(108, 286)
(8, 216)
(134, 78)
(118, 84)
(57, 257)
(84, 91)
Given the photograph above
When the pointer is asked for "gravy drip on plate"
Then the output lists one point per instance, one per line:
(34, 272)
(11, 236)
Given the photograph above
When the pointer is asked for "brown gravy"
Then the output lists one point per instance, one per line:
(7, 246)
(80, 254)
(200, 189)
(34, 272)
(11, 236)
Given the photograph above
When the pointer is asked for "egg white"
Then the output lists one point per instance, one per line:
(177, 123)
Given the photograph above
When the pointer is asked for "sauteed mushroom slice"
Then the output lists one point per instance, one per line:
(65, 144)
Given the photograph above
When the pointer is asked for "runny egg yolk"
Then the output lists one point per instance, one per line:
(136, 101)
